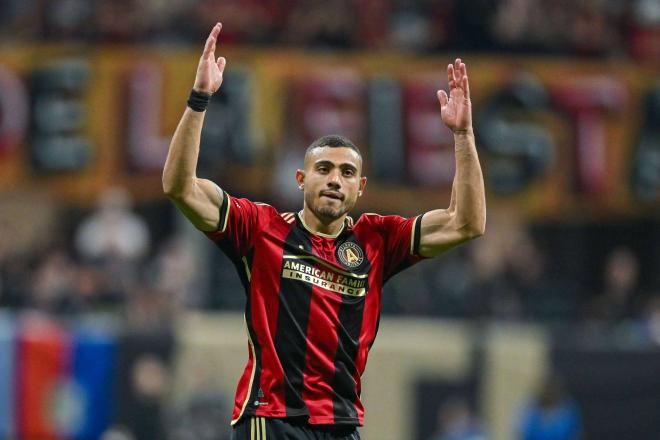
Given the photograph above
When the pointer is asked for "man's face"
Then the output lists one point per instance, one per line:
(331, 181)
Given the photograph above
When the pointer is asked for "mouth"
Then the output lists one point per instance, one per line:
(332, 195)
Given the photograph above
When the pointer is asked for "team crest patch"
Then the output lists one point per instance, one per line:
(350, 254)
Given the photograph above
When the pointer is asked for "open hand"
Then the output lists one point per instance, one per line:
(209, 70)
(456, 109)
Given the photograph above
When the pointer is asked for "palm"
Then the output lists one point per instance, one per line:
(455, 108)
(209, 70)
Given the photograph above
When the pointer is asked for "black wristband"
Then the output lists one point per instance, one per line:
(198, 101)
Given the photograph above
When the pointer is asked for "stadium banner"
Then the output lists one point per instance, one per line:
(43, 359)
(556, 134)
(92, 383)
(62, 380)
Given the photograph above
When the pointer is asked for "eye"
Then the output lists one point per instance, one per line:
(322, 169)
(349, 173)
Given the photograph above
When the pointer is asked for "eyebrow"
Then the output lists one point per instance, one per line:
(332, 164)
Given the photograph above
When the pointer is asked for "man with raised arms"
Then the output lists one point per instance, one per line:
(313, 279)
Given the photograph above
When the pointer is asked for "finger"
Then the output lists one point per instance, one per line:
(443, 98)
(450, 76)
(457, 70)
(209, 47)
(222, 62)
(466, 86)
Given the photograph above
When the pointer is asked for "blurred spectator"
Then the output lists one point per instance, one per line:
(115, 241)
(544, 295)
(52, 283)
(410, 28)
(490, 294)
(619, 296)
(591, 27)
(117, 21)
(511, 22)
(549, 415)
(322, 24)
(176, 273)
(113, 232)
(456, 422)
(59, 285)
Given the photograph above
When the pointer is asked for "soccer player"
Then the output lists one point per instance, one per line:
(313, 278)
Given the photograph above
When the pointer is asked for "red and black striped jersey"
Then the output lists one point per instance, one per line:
(313, 306)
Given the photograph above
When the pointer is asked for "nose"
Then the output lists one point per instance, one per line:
(334, 180)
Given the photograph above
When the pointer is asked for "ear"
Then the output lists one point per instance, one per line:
(300, 178)
(363, 184)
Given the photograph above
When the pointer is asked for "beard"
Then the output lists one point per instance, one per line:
(329, 212)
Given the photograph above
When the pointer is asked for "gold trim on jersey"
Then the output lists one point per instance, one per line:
(412, 237)
(224, 198)
(226, 220)
(323, 263)
(247, 269)
(254, 370)
(288, 217)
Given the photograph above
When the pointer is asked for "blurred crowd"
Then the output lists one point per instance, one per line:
(506, 275)
(107, 262)
(114, 259)
(607, 28)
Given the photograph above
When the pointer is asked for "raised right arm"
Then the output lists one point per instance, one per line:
(198, 199)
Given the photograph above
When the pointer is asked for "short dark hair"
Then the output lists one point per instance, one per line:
(333, 141)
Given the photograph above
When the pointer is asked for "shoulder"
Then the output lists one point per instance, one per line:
(369, 218)
(267, 209)
(374, 219)
(244, 203)
(235, 211)
(375, 222)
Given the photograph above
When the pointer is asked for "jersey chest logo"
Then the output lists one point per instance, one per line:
(350, 255)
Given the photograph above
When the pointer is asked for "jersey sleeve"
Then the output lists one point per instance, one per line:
(401, 239)
(241, 221)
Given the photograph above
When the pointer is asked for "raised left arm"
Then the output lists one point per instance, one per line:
(443, 229)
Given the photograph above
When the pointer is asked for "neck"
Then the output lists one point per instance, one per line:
(321, 225)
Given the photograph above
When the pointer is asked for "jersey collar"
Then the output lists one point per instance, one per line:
(320, 234)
